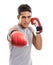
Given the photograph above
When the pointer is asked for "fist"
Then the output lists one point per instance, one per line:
(18, 39)
(36, 22)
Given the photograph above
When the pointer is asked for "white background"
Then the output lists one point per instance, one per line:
(43, 9)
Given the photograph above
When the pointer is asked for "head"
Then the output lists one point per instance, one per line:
(24, 15)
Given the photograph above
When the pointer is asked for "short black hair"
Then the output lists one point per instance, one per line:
(24, 7)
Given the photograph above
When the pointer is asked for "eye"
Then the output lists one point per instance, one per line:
(29, 16)
(23, 17)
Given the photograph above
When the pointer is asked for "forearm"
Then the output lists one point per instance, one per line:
(9, 33)
(38, 43)
(37, 39)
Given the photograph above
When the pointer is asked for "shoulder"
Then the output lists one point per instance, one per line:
(31, 29)
(13, 28)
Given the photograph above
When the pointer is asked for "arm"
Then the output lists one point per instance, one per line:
(37, 41)
(9, 33)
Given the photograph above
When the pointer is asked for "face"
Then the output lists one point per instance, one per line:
(25, 18)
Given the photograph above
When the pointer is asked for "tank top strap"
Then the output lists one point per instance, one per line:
(31, 29)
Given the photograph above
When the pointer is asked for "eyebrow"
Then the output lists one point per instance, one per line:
(25, 16)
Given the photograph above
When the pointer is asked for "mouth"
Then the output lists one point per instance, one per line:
(26, 23)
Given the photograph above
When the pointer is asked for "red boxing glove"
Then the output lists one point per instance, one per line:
(18, 39)
(36, 22)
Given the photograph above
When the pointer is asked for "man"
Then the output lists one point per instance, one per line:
(22, 55)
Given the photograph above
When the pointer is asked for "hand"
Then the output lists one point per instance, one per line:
(36, 22)
(18, 39)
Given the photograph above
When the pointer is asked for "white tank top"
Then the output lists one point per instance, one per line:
(21, 55)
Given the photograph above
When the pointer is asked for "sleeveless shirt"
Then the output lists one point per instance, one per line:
(21, 55)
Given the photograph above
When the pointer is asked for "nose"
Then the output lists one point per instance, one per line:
(26, 19)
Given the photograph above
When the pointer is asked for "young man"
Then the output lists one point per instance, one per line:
(22, 55)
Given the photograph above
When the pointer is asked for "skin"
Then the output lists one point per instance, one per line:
(24, 20)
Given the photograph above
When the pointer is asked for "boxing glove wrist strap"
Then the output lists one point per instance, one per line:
(12, 32)
(38, 29)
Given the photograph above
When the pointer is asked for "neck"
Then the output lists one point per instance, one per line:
(21, 26)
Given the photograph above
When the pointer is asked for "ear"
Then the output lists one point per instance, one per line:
(18, 16)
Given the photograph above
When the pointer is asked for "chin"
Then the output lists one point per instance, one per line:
(26, 26)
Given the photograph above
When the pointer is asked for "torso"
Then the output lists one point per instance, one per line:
(22, 55)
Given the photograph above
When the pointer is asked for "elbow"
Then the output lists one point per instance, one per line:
(38, 46)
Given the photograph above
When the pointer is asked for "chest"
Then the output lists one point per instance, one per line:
(28, 33)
